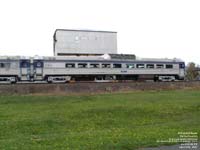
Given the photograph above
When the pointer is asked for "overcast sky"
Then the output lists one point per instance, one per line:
(147, 28)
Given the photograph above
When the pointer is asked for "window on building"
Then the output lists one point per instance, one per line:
(106, 65)
(82, 65)
(140, 65)
(117, 65)
(169, 66)
(69, 65)
(94, 65)
(159, 66)
(130, 66)
(150, 65)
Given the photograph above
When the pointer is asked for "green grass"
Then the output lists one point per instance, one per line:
(119, 121)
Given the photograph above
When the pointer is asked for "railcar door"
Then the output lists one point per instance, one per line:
(182, 71)
(25, 71)
(38, 69)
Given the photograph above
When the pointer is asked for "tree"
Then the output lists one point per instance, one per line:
(191, 71)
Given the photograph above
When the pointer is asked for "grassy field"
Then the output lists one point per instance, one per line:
(119, 121)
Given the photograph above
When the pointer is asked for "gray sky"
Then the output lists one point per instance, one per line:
(147, 28)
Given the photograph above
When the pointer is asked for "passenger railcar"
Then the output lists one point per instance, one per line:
(9, 69)
(63, 69)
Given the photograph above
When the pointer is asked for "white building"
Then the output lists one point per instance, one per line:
(84, 42)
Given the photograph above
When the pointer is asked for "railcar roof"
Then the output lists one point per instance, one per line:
(90, 58)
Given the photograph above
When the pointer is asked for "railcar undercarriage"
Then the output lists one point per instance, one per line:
(94, 78)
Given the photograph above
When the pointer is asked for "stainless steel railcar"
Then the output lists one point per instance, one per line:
(63, 69)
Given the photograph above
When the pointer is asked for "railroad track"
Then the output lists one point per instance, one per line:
(92, 82)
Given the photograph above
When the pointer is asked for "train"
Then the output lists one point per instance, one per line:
(14, 69)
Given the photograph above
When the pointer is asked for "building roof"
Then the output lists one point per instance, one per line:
(82, 30)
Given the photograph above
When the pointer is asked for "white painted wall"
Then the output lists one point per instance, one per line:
(85, 42)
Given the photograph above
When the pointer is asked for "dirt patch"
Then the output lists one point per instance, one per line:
(92, 88)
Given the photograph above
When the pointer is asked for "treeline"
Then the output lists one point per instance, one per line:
(192, 71)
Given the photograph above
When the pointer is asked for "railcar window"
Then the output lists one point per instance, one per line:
(24, 64)
(94, 65)
(159, 66)
(106, 65)
(69, 65)
(82, 65)
(150, 65)
(169, 66)
(130, 66)
(140, 65)
(39, 64)
(7, 65)
(117, 65)
(181, 66)
(2, 65)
